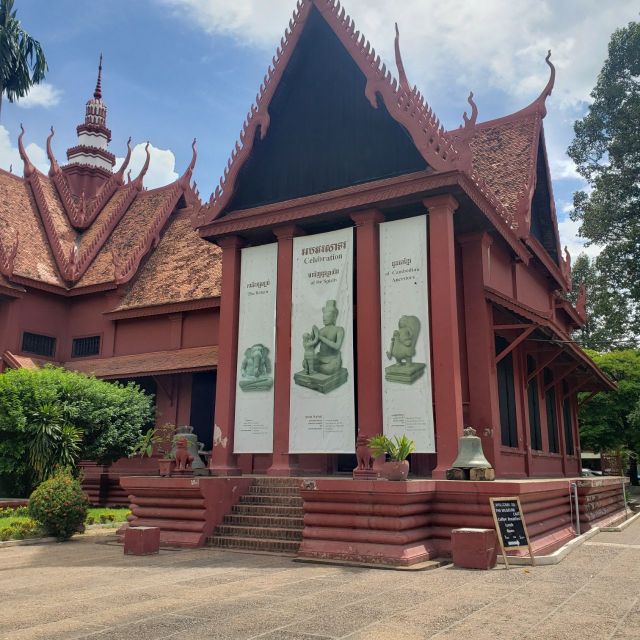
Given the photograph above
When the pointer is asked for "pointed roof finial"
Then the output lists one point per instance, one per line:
(539, 103)
(53, 168)
(97, 94)
(139, 180)
(186, 176)
(470, 122)
(29, 169)
(402, 76)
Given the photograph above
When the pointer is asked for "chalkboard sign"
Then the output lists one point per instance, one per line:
(510, 525)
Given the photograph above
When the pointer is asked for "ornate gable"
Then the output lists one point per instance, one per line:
(383, 92)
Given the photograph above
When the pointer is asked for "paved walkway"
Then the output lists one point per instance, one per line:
(87, 588)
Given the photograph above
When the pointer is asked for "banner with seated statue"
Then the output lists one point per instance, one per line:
(256, 350)
(406, 366)
(322, 398)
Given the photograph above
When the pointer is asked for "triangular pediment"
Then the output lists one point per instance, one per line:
(323, 133)
(544, 225)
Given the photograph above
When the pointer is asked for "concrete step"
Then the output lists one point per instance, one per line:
(255, 544)
(263, 521)
(258, 489)
(276, 533)
(273, 511)
(277, 482)
(271, 499)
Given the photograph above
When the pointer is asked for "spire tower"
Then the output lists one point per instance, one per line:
(93, 134)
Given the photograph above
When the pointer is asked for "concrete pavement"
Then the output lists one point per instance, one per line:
(87, 588)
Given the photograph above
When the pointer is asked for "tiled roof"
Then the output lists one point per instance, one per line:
(18, 210)
(148, 364)
(23, 362)
(182, 268)
(110, 250)
(503, 153)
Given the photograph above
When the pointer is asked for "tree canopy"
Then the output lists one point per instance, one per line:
(610, 323)
(606, 421)
(22, 60)
(51, 417)
(606, 150)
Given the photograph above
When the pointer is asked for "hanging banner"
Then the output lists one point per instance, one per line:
(256, 350)
(406, 362)
(322, 399)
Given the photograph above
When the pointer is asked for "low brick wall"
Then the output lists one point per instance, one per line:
(12, 503)
(402, 523)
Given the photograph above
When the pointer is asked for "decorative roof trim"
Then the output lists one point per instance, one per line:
(402, 76)
(53, 163)
(408, 108)
(537, 107)
(139, 181)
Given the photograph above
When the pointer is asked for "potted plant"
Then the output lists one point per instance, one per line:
(396, 450)
(157, 440)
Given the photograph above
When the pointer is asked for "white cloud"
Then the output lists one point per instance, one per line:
(161, 166)
(41, 95)
(495, 43)
(10, 157)
(569, 237)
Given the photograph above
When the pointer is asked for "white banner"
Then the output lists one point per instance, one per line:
(322, 399)
(256, 350)
(406, 363)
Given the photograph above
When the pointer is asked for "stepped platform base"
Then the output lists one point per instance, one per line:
(362, 522)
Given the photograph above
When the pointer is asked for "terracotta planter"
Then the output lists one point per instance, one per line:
(395, 469)
(166, 467)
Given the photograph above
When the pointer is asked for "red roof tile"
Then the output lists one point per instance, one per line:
(147, 364)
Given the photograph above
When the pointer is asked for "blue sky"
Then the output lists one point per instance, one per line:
(178, 69)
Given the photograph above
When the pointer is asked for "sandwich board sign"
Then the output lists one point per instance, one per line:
(510, 526)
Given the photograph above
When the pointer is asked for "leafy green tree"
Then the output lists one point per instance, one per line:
(606, 150)
(22, 61)
(51, 417)
(606, 421)
(609, 323)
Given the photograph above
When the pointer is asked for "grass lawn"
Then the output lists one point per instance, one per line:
(15, 524)
(102, 515)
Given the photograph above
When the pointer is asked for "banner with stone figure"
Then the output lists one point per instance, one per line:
(322, 399)
(406, 366)
(256, 350)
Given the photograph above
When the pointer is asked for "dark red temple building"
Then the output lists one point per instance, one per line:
(105, 277)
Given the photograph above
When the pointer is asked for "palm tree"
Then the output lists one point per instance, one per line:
(22, 61)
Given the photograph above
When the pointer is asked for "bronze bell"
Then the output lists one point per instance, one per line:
(470, 454)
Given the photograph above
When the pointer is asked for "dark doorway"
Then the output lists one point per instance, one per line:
(203, 399)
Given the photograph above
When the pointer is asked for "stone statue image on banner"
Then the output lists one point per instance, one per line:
(402, 349)
(255, 372)
(322, 368)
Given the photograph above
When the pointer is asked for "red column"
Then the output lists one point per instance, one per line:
(484, 411)
(447, 388)
(282, 463)
(368, 348)
(223, 462)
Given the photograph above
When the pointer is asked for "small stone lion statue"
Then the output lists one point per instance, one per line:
(363, 454)
(183, 457)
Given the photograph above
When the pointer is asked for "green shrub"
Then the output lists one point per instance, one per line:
(59, 505)
(51, 417)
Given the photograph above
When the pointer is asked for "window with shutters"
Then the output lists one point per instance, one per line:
(84, 347)
(552, 414)
(38, 344)
(568, 426)
(506, 396)
(534, 407)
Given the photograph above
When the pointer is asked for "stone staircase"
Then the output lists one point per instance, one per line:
(267, 518)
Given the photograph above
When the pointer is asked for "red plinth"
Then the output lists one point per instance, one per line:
(474, 548)
(142, 541)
